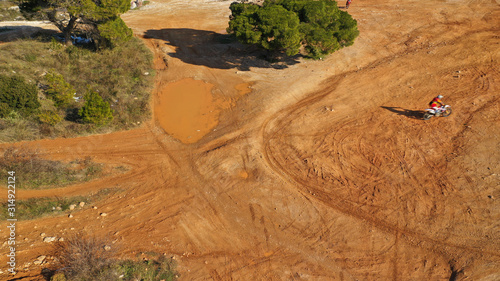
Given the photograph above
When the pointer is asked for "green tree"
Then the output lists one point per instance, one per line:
(95, 110)
(60, 91)
(18, 94)
(67, 14)
(279, 29)
(272, 27)
(322, 27)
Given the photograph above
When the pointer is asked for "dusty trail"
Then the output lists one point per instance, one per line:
(324, 171)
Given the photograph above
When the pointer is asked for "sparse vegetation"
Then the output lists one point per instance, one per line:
(284, 26)
(34, 172)
(122, 76)
(84, 257)
(39, 207)
(9, 12)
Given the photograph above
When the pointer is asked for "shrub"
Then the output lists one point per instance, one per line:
(84, 257)
(4, 110)
(114, 32)
(49, 117)
(18, 94)
(58, 90)
(95, 111)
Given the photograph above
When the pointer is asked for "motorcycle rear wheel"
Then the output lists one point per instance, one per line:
(447, 112)
(428, 116)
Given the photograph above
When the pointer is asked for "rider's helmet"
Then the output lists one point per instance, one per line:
(440, 96)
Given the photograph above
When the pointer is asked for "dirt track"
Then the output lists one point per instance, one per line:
(325, 170)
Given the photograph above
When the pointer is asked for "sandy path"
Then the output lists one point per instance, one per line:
(324, 171)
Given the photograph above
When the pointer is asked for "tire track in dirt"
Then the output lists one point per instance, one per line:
(273, 133)
(348, 208)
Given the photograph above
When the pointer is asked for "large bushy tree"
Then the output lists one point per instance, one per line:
(286, 25)
(67, 14)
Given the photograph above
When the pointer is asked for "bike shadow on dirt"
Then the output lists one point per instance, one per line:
(214, 50)
(415, 114)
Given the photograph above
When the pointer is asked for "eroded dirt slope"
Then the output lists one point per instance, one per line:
(325, 171)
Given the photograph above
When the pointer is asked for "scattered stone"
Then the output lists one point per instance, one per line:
(95, 208)
(49, 239)
(107, 248)
(82, 204)
(39, 260)
(59, 208)
(72, 228)
(103, 214)
(42, 234)
(72, 207)
(146, 73)
(61, 239)
(70, 216)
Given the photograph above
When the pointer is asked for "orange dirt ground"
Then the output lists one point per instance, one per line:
(324, 171)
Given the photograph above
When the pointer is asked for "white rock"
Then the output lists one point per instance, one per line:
(82, 204)
(49, 239)
(72, 207)
(104, 214)
(70, 216)
(39, 260)
(42, 234)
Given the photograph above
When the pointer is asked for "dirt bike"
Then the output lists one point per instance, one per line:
(443, 111)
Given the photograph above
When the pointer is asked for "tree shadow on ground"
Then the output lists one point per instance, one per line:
(214, 50)
(415, 114)
(12, 33)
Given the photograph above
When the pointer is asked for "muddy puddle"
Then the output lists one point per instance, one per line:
(188, 109)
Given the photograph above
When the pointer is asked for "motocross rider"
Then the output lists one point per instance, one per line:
(436, 103)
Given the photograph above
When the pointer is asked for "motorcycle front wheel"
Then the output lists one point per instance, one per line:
(427, 116)
(447, 112)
